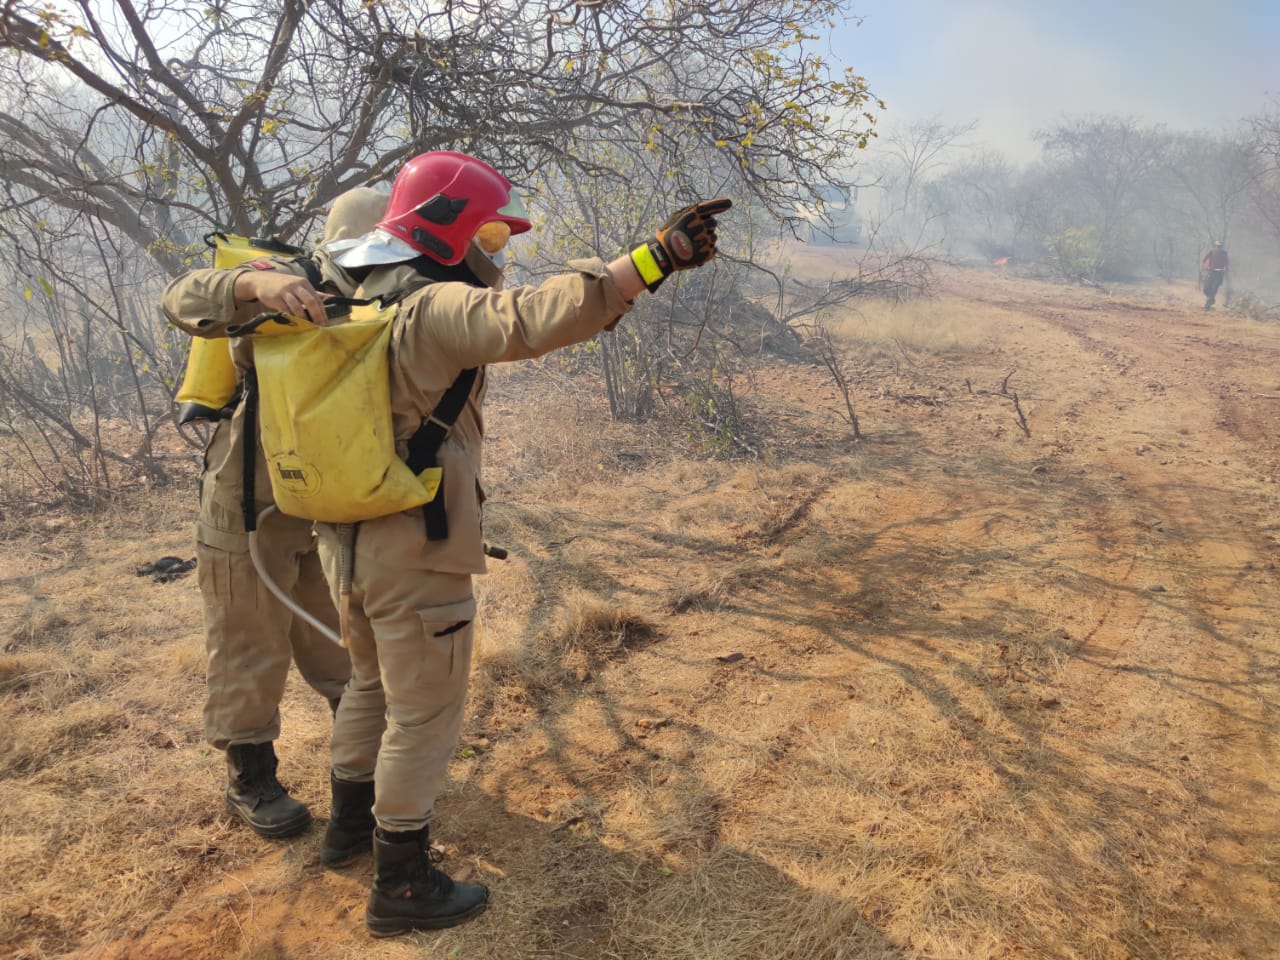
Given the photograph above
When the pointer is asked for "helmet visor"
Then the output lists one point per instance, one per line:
(514, 207)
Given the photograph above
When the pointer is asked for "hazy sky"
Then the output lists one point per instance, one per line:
(1019, 65)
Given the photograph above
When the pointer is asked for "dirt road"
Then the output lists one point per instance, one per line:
(1168, 426)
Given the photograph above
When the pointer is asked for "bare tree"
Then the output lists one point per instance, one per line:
(1218, 174)
(254, 117)
(898, 208)
(151, 123)
(81, 347)
(986, 205)
(1100, 165)
(918, 152)
(1265, 129)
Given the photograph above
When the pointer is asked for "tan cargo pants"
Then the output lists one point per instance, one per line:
(250, 636)
(411, 637)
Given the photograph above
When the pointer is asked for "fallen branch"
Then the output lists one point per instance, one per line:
(918, 398)
(1022, 419)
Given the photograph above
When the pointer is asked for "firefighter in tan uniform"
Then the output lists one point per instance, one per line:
(412, 605)
(250, 636)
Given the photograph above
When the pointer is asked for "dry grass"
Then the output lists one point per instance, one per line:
(910, 698)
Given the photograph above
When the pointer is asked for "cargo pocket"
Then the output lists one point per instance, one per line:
(446, 652)
(229, 589)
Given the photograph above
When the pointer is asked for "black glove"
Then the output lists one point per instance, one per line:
(687, 239)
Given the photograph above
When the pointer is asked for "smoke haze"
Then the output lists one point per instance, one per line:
(1019, 67)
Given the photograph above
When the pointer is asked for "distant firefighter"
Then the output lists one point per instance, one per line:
(1213, 266)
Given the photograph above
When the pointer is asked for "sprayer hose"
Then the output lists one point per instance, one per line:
(256, 556)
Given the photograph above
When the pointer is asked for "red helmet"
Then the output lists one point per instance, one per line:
(440, 200)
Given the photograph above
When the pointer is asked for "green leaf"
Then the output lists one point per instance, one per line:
(46, 286)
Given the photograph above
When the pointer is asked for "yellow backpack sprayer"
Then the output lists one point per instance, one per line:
(210, 379)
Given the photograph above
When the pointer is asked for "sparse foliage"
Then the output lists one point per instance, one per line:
(1075, 254)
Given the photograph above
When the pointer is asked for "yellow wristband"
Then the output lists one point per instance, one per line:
(646, 265)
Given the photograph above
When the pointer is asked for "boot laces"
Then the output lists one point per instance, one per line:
(259, 775)
(432, 876)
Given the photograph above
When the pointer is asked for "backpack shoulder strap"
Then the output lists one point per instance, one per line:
(248, 466)
(311, 269)
(425, 444)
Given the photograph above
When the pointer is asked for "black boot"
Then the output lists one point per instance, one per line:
(351, 822)
(409, 893)
(255, 795)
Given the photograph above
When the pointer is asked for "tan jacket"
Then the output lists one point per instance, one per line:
(442, 329)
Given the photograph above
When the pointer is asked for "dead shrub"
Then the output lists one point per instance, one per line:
(598, 627)
(40, 625)
(1254, 307)
(18, 671)
(589, 632)
(52, 738)
(709, 589)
